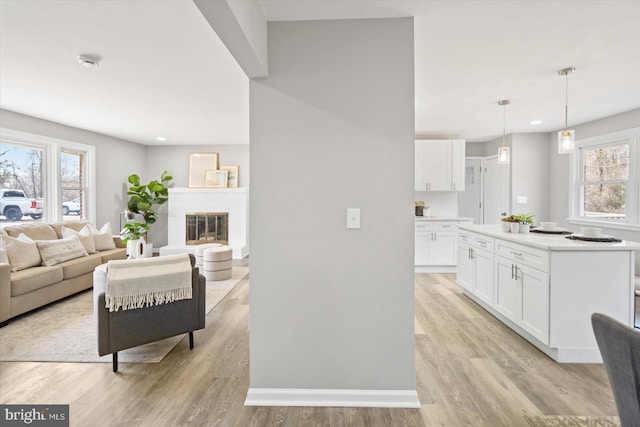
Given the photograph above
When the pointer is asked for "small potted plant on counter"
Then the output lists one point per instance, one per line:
(525, 220)
(510, 223)
(133, 234)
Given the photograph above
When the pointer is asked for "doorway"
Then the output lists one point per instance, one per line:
(486, 198)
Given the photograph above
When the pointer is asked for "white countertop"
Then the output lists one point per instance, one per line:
(443, 218)
(550, 242)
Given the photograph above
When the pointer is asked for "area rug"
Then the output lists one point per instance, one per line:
(66, 331)
(571, 421)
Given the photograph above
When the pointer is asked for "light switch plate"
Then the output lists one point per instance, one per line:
(522, 200)
(353, 218)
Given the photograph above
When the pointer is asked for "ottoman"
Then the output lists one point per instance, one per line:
(217, 263)
(199, 251)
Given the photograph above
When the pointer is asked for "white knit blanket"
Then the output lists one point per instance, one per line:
(149, 281)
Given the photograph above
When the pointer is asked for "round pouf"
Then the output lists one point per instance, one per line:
(216, 263)
(200, 250)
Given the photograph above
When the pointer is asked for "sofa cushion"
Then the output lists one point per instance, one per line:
(74, 225)
(84, 235)
(103, 238)
(28, 280)
(22, 252)
(119, 253)
(34, 229)
(79, 266)
(4, 259)
(60, 250)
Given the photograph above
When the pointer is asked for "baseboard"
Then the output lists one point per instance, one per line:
(331, 397)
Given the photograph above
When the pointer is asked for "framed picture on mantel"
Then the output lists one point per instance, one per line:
(232, 179)
(199, 164)
(216, 179)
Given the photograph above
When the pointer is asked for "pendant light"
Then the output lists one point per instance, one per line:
(503, 152)
(566, 137)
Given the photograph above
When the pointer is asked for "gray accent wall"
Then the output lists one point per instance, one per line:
(530, 174)
(333, 128)
(116, 159)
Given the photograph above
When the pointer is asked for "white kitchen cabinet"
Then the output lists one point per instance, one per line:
(522, 296)
(547, 287)
(439, 165)
(436, 244)
(508, 290)
(475, 265)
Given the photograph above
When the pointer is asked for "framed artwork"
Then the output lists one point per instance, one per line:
(216, 178)
(232, 176)
(199, 164)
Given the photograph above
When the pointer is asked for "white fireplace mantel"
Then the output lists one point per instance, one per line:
(235, 201)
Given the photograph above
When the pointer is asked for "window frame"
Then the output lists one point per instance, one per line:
(52, 189)
(632, 190)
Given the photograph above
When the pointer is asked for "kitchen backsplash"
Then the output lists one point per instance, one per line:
(442, 203)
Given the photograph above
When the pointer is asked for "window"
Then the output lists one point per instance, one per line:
(56, 176)
(607, 171)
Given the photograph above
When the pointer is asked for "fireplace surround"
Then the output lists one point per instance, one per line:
(232, 201)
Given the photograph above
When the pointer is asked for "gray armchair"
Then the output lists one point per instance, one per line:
(119, 330)
(620, 349)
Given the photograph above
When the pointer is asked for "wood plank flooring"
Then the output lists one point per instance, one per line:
(470, 370)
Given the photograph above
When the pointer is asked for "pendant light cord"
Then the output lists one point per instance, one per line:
(504, 125)
(566, 102)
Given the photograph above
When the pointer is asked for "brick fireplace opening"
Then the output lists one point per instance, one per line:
(206, 227)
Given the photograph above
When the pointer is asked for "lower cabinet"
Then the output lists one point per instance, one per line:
(435, 243)
(522, 296)
(475, 271)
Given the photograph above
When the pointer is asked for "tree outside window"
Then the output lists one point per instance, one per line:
(605, 179)
(21, 168)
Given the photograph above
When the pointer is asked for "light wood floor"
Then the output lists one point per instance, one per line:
(471, 370)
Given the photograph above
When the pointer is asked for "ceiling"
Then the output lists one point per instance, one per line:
(164, 72)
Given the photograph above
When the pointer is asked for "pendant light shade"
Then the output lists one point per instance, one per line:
(503, 152)
(566, 137)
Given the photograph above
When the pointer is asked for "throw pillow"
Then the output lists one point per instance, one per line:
(4, 259)
(84, 235)
(60, 250)
(22, 252)
(103, 238)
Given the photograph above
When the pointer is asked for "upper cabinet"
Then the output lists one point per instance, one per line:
(439, 165)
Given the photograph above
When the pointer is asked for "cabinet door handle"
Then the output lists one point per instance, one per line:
(517, 277)
(463, 237)
(482, 243)
(516, 253)
(447, 226)
(512, 267)
(472, 253)
(469, 253)
(421, 226)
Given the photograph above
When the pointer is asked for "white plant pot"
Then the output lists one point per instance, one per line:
(525, 228)
(136, 249)
(514, 227)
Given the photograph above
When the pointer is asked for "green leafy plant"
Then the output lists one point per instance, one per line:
(134, 231)
(510, 218)
(524, 218)
(145, 196)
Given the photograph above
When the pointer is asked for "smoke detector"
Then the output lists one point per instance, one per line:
(89, 61)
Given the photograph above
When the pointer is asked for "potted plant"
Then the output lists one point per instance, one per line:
(525, 220)
(144, 197)
(133, 234)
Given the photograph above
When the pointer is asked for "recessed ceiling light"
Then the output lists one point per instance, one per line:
(535, 122)
(89, 61)
(161, 138)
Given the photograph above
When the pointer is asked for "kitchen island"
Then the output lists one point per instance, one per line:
(545, 287)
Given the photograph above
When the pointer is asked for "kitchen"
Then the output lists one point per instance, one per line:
(543, 286)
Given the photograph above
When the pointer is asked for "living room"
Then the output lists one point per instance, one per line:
(325, 316)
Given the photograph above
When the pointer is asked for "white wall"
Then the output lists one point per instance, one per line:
(175, 159)
(560, 167)
(115, 160)
(530, 174)
(333, 128)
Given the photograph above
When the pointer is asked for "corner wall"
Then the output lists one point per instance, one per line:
(331, 321)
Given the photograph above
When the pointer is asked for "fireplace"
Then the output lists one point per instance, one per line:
(205, 202)
(206, 227)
